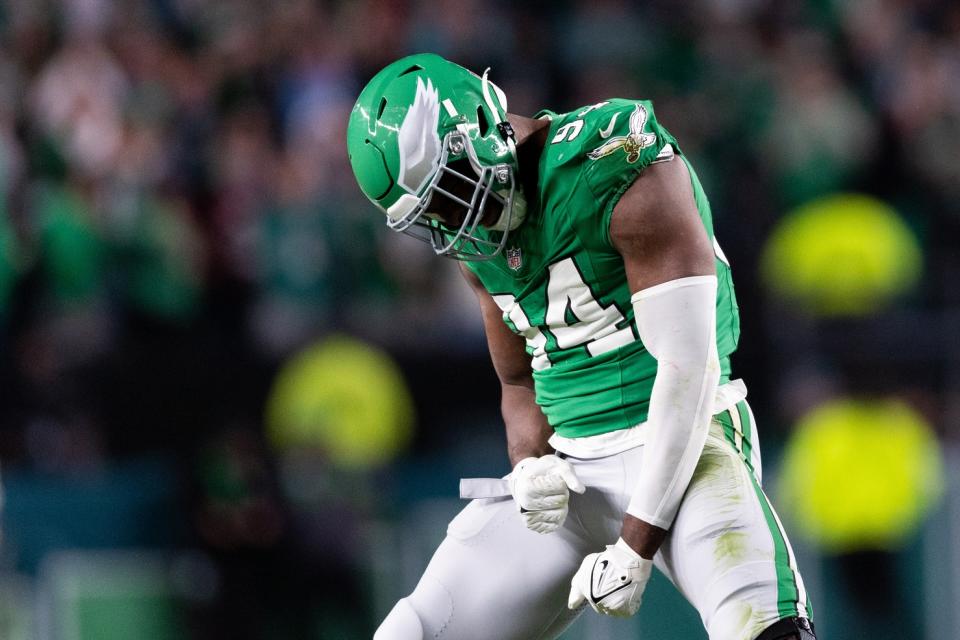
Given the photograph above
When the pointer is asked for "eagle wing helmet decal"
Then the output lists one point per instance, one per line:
(631, 143)
(418, 139)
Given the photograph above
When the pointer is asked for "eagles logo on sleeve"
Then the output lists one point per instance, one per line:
(631, 143)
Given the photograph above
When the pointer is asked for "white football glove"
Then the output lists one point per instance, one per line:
(541, 489)
(611, 581)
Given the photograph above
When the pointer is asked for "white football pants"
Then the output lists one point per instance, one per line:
(493, 579)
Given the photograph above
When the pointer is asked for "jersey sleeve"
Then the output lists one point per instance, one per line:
(625, 140)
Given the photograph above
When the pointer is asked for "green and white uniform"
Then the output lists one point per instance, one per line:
(562, 286)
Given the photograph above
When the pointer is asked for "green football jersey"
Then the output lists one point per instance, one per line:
(562, 285)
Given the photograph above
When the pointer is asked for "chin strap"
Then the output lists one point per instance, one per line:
(506, 131)
(512, 215)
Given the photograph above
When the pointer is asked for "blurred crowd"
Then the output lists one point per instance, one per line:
(178, 215)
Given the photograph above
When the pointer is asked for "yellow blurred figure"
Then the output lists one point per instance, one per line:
(861, 474)
(842, 255)
(346, 399)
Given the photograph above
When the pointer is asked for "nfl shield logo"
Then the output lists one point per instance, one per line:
(514, 259)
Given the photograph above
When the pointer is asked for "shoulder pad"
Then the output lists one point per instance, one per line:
(624, 129)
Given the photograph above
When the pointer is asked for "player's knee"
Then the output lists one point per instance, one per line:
(732, 621)
(425, 613)
(736, 619)
(402, 623)
(789, 629)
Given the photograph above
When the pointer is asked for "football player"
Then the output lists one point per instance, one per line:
(610, 316)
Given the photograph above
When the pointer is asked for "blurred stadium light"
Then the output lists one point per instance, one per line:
(842, 255)
(861, 474)
(343, 398)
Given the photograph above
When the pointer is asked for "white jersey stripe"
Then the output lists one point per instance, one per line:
(756, 459)
(792, 562)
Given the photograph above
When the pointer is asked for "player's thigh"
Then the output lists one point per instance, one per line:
(492, 577)
(728, 553)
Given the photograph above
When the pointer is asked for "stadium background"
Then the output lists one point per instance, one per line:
(235, 406)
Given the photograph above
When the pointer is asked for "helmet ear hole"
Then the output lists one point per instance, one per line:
(483, 121)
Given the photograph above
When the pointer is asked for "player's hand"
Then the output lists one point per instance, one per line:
(541, 488)
(611, 581)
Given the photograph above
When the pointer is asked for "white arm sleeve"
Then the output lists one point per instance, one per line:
(677, 324)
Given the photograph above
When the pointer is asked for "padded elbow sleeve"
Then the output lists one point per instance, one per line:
(677, 324)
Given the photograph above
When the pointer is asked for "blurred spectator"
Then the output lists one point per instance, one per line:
(819, 136)
(77, 100)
